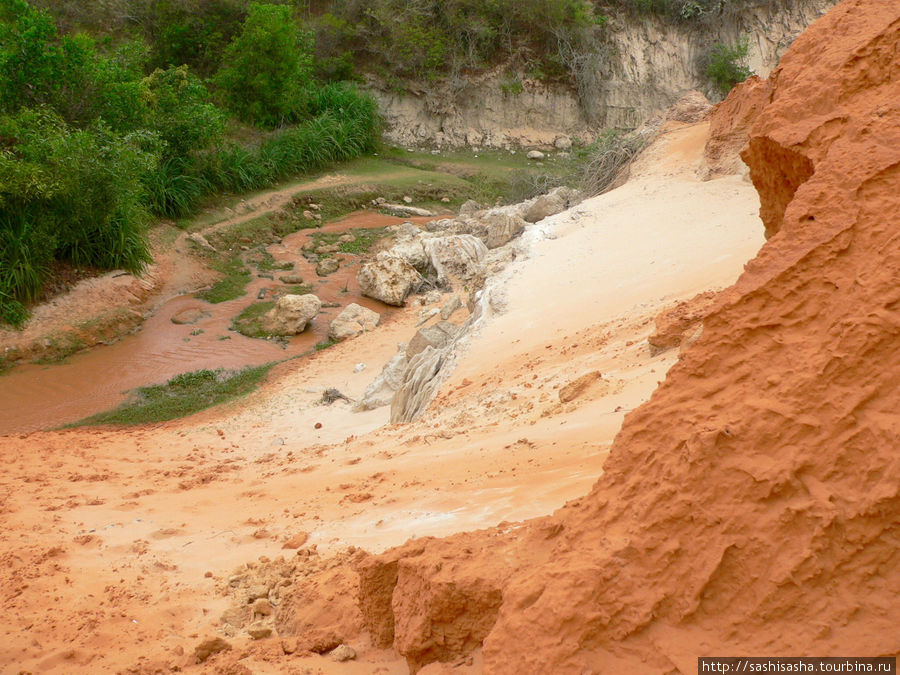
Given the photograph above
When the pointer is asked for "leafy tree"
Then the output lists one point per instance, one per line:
(266, 67)
(724, 65)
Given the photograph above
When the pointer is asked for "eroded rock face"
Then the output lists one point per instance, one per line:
(501, 228)
(382, 389)
(438, 336)
(388, 278)
(761, 475)
(678, 324)
(458, 257)
(292, 314)
(729, 128)
(353, 320)
(555, 201)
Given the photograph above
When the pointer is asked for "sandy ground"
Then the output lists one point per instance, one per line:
(116, 544)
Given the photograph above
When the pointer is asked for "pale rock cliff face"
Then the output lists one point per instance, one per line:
(649, 64)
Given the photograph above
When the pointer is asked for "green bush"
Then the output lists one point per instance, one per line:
(432, 39)
(266, 67)
(77, 191)
(724, 67)
(90, 144)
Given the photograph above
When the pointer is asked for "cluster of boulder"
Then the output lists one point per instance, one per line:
(446, 252)
(452, 249)
(442, 254)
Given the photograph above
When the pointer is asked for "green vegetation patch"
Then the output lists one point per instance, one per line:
(183, 395)
(365, 238)
(725, 65)
(233, 283)
(265, 229)
(250, 321)
(262, 260)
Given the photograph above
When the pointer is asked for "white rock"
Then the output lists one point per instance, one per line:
(381, 391)
(388, 278)
(292, 314)
(535, 154)
(555, 201)
(459, 256)
(353, 320)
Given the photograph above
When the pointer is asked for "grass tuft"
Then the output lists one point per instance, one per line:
(232, 285)
(183, 395)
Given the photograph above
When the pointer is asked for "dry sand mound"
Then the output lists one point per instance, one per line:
(752, 505)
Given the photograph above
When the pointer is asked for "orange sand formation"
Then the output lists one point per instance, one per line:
(751, 506)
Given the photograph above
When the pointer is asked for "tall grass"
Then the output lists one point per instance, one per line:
(343, 124)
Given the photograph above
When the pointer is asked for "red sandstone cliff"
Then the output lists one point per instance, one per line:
(753, 504)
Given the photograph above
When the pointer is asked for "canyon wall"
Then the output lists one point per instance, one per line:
(752, 506)
(647, 64)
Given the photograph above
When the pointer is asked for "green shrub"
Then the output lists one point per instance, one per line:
(724, 67)
(266, 67)
(431, 39)
(70, 194)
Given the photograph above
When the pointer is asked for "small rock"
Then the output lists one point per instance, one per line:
(292, 314)
(347, 238)
(427, 314)
(328, 248)
(331, 395)
(342, 653)
(258, 631)
(535, 154)
(450, 307)
(256, 592)
(404, 211)
(209, 647)
(359, 367)
(190, 315)
(291, 279)
(445, 200)
(262, 294)
(317, 425)
(432, 297)
(407, 199)
(388, 278)
(308, 215)
(562, 143)
(201, 241)
(314, 207)
(327, 266)
(352, 321)
(469, 207)
(262, 607)
(296, 541)
(437, 336)
(578, 386)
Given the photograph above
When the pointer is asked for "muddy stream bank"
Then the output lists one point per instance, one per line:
(35, 396)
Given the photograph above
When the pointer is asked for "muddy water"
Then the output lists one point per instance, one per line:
(36, 397)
